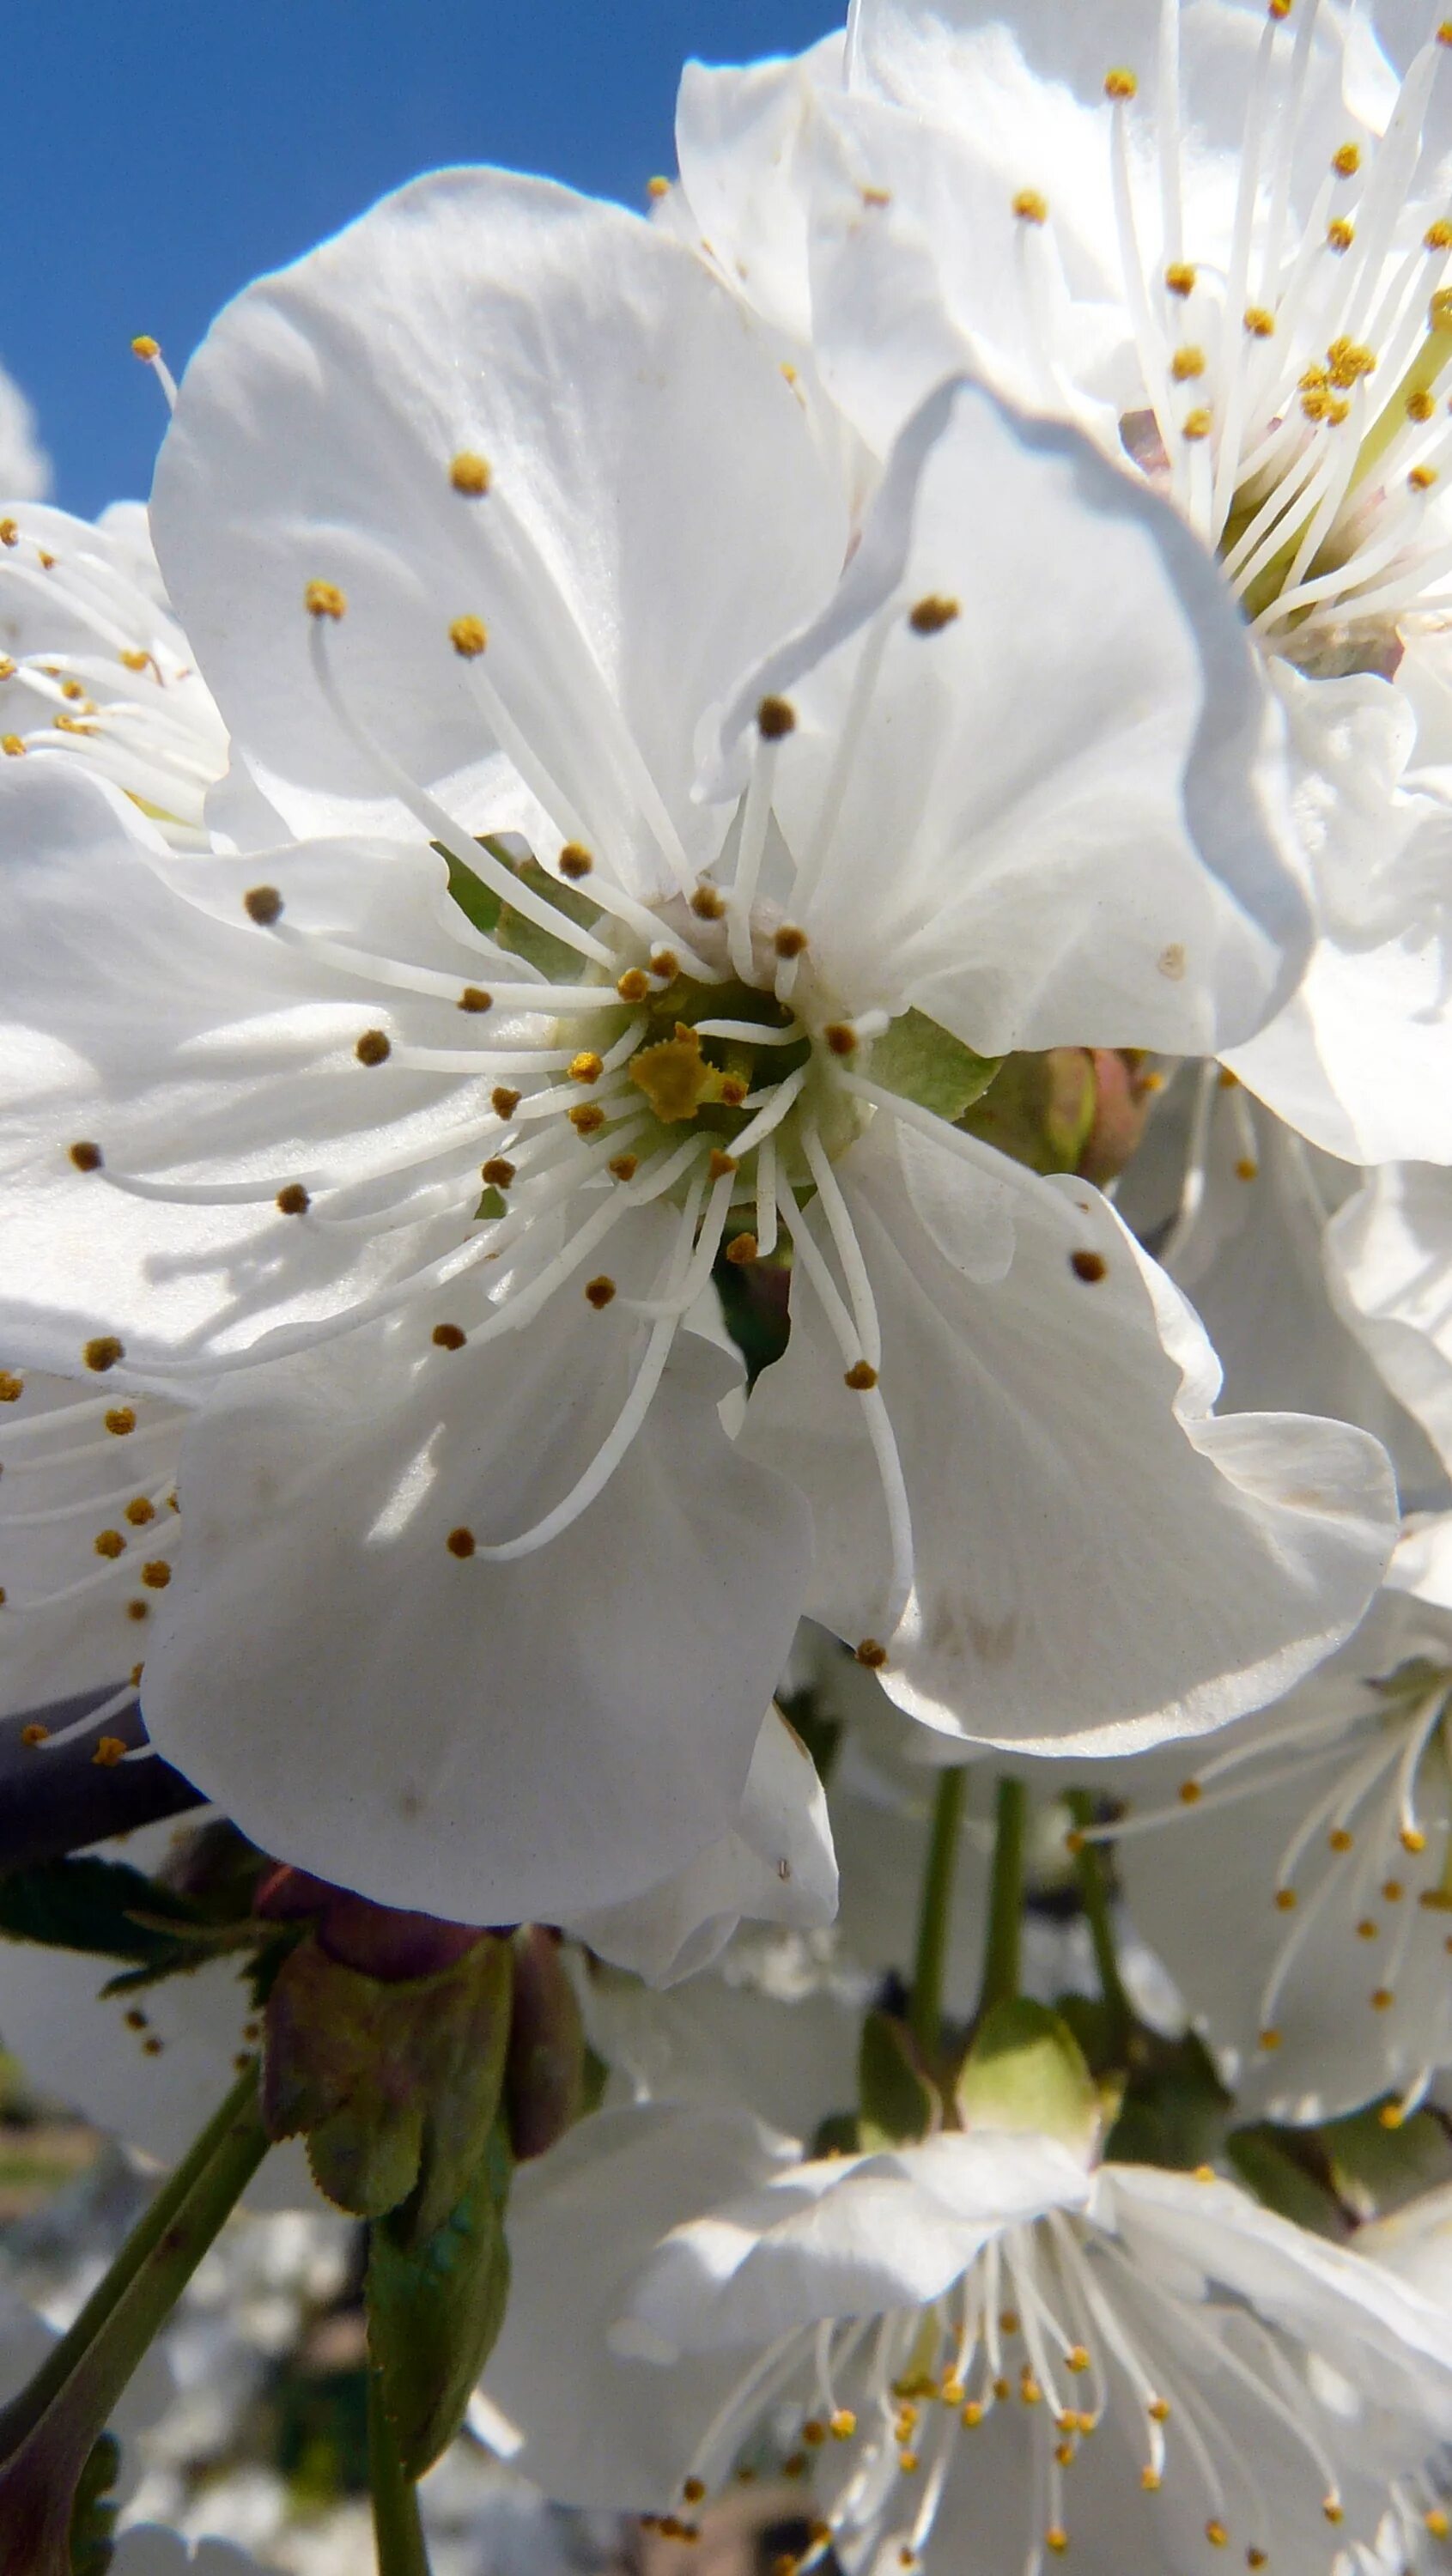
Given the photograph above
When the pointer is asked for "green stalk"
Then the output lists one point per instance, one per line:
(925, 2011)
(1002, 1950)
(52, 2427)
(1094, 1896)
(397, 2531)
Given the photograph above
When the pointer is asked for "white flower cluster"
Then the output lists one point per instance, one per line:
(719, 860)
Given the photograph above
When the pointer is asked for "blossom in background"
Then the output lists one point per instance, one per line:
(789, 892)
(980, 2349)
(1220, 244)
(24, 465)
(92, 662)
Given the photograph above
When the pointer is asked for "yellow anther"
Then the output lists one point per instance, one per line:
(1412, 1839)
(1121, 84)
(657, 187)
(11, 1387)
(1438, 236)
(157, 1575)
(1346, 160)
(109, 1752)
(877, 196)
(1339, 234)
(1247, 1169)
(1437, 2521)
(952, 2390)
(498, 1172)
(861, 1377)
(775, 717)
(1028, 2388)
(102, 1352)
(908, 2463)
(1382, 1999)
(374, 1047)
(633, 985)
(1150, 2481)
(108, 1542)
(474, 998)
(1422, 477)
(293, 1200)
(1391, 2115)
(137, 1610)
(972, 2414)
(1366, 1929)
(1030, 207)
(262, 904)
(1420, 405)
(1197, 424)
(708, 903)
(841, 1037)
(741, 1250)
(7, 667)
(870, 1653)
(503, 1101)
(586, 1066)
(1187, 363)
(789, 941)
(85, 1156)
(931, 615)
(460, 1542)
(33, 1735)
(814, 2431)
(1333, 2509)
(576, 861)
(623, 1167)
(139, 1511)
(325, 599)
(468, 636)
(1180, 277)
(1340, 1839)
(1190, 1793)
(12, 746)
(1270, 2038)
(1348, 361)
(1077, 2357)
(470, 474)
(1258, 322)
(1444, 32)
(1393, 1890)
(588, 1119)
(145, 348)
(1279, 10)
(120, 1420)
(1216, 2534)
(448, 1337)
(1158, 2410)
(694, 2491)
(1286, 1899)
(1204, 2173)
(720, 1166)
(1056, 2538)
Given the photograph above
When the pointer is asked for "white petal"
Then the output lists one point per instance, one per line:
(490, 1741)
(738, 131)
(657, 509)
(776, 1865)
(1097, 851)
(601, 2429)
(1100, 1563)
(1389, 1257)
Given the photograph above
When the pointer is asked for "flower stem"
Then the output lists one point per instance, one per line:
(1002, 1950)
(48, 2432)
(1094, 1896)
(925, 2012)
(397, 2531)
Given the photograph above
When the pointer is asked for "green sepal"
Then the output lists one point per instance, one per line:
(394, 2084)
(104, 1907)
(1285, 2169)
(1026, 2070)
(491, 1205)
(435, 2305)
(1175, 2110)
(921, 1062)
(1040, 1110)
(840, 2134)
(511, 930)
(93, 2520)
(1375, 2168)
(898, 2101)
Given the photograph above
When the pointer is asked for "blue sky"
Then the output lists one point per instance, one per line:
(158, 153)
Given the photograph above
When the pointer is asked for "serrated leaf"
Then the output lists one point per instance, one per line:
(898, 2101)
(104, 1907)
(1026, 2070)
(435, 2306)
(917, 1059)
(394, 2083)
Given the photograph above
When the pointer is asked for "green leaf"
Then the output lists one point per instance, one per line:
(394, 2083)
(898, 2102)
(1026, 2070)
(921, 1062)
(92, 1905)
(1375, 2168)
(840, 2134)
(435, 2306)
(1175, 2110)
